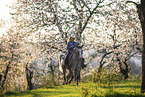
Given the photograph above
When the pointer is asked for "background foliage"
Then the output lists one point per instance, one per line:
(110, 31)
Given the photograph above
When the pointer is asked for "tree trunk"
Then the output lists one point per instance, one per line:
(29, 76)
(5, 76)
(141, 14)
(0, 78)
(143, 46)
(2, 82)
(124, 69)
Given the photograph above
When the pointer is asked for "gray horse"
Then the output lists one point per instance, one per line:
(74, 66)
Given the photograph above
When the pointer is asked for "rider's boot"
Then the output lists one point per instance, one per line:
(83, 65)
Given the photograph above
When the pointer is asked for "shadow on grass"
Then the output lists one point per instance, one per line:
(124, 95)
(120, 86)
(120, 95)
(132, 86)
(23, 94)
(34, 93)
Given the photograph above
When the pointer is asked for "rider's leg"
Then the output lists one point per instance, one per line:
(83, 65)
(66, 58)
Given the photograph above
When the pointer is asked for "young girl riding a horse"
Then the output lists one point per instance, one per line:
(70, 47)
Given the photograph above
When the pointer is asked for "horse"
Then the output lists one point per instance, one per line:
(74, 66)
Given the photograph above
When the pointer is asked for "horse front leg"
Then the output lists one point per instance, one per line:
(64, 78)
(71, 76)
(77, 82)
(77, 76)
(68, 77)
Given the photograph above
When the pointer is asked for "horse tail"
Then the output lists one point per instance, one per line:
(61, 63)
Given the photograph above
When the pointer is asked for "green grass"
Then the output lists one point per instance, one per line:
(117, 89)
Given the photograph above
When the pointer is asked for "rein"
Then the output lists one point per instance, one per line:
(75, 52)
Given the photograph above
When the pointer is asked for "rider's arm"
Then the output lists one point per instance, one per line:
(71, 45)
(68, 46)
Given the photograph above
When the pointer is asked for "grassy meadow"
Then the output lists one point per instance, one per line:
(109, 89)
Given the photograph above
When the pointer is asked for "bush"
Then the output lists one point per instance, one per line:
(106, 76)
(47, 81)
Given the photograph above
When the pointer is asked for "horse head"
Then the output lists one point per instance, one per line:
(79, 51)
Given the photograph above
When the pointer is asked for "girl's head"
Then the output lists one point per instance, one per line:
(72, 38)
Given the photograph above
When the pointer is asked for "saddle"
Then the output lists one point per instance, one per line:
(68, 57)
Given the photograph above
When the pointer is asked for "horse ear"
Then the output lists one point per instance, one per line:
(82, 45)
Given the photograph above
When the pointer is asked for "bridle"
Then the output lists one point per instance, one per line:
(76, 52)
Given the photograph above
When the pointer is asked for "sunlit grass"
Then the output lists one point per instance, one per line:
(117, 89)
